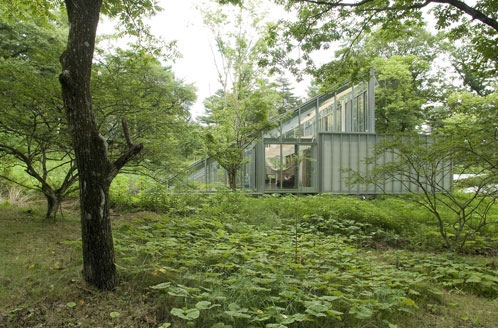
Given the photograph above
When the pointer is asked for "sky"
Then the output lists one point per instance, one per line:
(183, 22)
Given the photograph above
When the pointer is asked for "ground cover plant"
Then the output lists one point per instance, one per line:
(229, 260)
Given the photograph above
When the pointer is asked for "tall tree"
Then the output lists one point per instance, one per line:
(289, 100)
(246, 101)
(96, 170)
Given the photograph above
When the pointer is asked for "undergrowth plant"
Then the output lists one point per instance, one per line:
(222, 264)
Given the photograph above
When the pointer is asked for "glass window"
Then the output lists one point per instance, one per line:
(289, 178)
(272, 166)
(306, 166)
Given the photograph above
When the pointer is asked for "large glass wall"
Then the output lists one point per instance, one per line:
(346, 110)
(289, 179)
(290, 166)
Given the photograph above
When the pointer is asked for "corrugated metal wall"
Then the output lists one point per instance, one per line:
(342, 152)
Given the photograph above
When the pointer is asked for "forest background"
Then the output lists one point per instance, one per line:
(134, 119)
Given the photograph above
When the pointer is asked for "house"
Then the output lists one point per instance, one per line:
(313, 150)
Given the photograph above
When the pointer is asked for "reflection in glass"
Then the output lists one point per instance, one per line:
(280, 166)
(289, 166)
(306, 166)
(308, 121)
(272, 166)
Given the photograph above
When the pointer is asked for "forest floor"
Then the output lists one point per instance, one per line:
(41, 285)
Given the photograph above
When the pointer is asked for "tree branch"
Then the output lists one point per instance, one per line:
(133, 150)
(471, 11)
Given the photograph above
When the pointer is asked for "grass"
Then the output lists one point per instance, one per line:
(40, 277)
(221, 263)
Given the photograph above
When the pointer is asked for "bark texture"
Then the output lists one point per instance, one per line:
(232, 179)
(95, 169)
(53, 202)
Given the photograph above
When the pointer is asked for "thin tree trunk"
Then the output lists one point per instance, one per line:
(53, 203)
(232, 179)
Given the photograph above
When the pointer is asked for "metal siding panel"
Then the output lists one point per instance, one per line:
(327, 163)
(334, 160)
(362, 155)
(318, 176)
(368, 152)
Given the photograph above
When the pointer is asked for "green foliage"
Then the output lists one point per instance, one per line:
(450, 272)
(238, 270)
(131, 84)
(398, 103)
(320, 22)
(240, 267)
(143, 193)
(130, 14)
(135, 85)
(251, 274)
(246, 102)
(33, 133)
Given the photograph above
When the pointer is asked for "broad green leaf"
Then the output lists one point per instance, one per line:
(160, 286)
(203, 305)
(361, 312)
(189, 314)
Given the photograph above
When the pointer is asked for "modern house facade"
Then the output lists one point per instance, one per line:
(314, 149)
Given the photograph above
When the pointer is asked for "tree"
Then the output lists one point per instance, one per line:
(126, 83)
(236, 123)
(397, 99)
(95, 169)
(134, 84)
(242, 108)
(289, 100)
(468, 143)
(402, 61)
(32, 126)
(476, 69)
(325, 20)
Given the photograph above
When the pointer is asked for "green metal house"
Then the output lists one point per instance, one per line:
(313, 150)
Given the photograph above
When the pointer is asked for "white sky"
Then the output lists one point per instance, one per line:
(181, 21)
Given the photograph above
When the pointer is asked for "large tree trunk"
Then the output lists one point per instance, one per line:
(95, 169)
